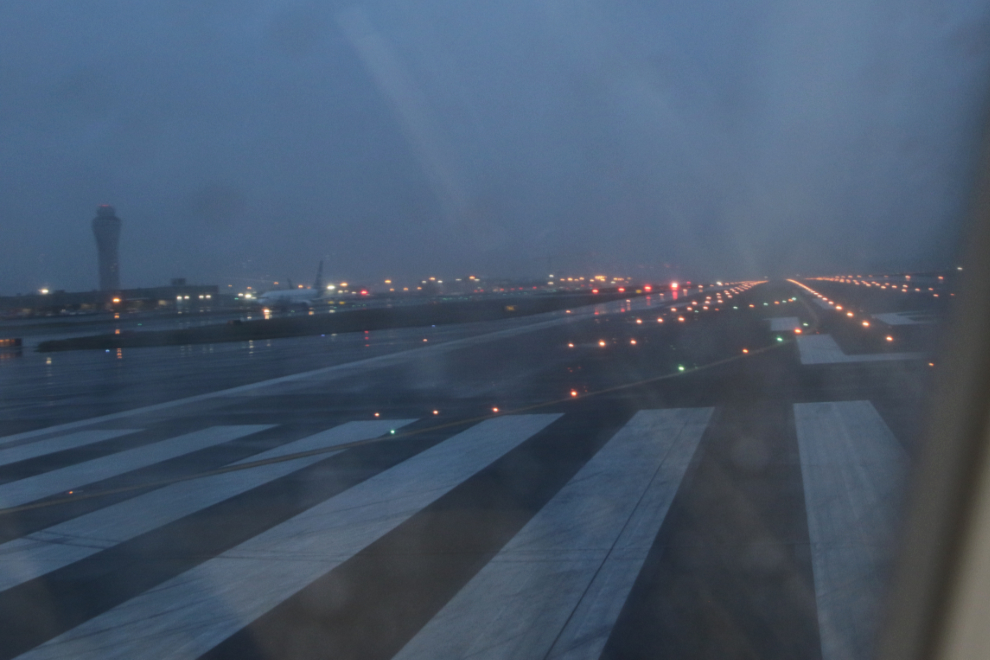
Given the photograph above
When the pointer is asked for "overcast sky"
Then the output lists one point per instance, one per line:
(241, 140)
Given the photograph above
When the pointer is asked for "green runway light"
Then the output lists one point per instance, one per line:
(392, 431)
(680, 367)
(780, 339)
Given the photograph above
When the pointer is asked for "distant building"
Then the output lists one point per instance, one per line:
(184, 298)
(106, 228)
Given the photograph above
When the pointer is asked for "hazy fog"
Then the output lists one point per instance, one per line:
(242, 139)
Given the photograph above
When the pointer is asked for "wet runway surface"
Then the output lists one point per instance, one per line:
(610, 482)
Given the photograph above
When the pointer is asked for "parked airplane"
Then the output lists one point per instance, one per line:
(295, 297)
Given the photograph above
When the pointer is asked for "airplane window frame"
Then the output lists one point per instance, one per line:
(935, 566)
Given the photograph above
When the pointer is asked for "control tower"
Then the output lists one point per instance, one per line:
(106, 227)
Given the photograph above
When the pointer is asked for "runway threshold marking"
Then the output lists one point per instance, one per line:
(558, 586)
(193, 612)
(785, 324)
(822, 349)
(906, 318)
(49, 549)
(76, 476)
(853, 472)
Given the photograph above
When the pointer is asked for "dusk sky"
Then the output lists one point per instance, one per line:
(242, 140)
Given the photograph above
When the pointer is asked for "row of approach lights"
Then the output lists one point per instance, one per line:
(886, 284)
(839, 308)
(602, 343)
(739, 289)
(708, 305)
(851, 280)
(378, 415)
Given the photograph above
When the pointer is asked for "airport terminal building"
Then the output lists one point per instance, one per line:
(178, 296)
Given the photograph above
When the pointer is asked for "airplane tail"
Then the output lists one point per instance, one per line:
(318, 285)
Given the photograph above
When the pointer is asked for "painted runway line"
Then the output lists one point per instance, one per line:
(76, 476)
(905, 318)
(60, 443)
(558, 586)
(822, 349)
(853, 471)
(785, 324)
(188, 615)
(44, 551)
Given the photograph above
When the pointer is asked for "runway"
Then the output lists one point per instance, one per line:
(713, 476)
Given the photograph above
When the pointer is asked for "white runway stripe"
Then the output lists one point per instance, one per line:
(61, 443)
(785, 324)
(556, 589)
(191, 613)
(822, 349)
(60, 545)
(905, 318)
(853, 471)
(76, 476)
